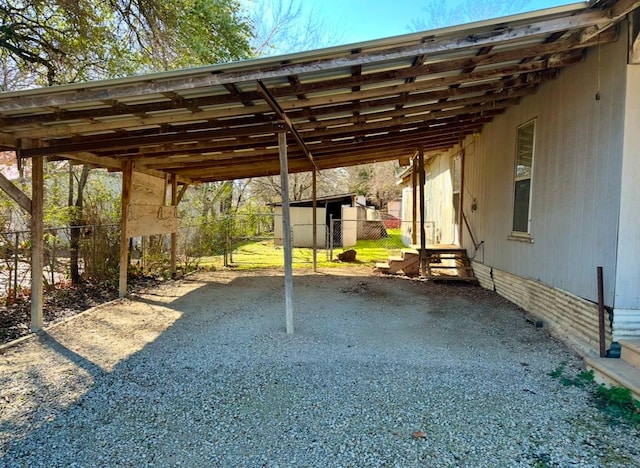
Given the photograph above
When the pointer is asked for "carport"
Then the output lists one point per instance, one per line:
(391, 99)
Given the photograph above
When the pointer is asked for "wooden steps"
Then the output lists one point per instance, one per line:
(408, 263)
(623, 372)
(442, 263)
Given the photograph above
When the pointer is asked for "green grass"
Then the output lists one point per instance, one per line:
(264, 254)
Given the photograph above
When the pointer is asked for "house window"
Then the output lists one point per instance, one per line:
(525, 147)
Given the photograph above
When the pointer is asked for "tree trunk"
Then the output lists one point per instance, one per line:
(76, 223)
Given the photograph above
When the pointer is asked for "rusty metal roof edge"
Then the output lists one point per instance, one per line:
(298, 56)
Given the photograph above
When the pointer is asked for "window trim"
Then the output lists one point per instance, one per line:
(524, 236)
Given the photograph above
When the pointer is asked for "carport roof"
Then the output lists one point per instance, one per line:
(353, 104)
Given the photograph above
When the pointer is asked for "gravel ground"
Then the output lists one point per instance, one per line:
(380, 372)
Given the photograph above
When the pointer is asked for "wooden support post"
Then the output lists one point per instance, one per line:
(414, 200)
(174, 235)
(127, 172)
(15, 193)
(37, 242)
(461, 200)
(314, 195)
(423, 235)
(286, 231)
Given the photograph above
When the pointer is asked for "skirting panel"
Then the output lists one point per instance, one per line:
(569, 317)
(626, 324)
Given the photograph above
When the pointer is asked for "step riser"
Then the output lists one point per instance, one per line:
(630, 354)
(615, 372)
(602, 378)
(451, 260)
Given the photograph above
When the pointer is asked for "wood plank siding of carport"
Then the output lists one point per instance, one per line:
(347, 105)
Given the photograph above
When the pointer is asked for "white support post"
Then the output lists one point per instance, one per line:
(286, 231)
(127, 172)
(37, 243)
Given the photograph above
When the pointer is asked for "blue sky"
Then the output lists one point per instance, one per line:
(362, 20)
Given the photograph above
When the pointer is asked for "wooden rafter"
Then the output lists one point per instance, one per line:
(275, 106)
(15, 193)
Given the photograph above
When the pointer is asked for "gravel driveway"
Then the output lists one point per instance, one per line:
(380, 372)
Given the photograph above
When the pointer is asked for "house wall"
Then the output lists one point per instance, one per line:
(627, 290)
(575, 199)
(438, 192)
(439, 200)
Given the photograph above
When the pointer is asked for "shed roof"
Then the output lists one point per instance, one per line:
(353, 104)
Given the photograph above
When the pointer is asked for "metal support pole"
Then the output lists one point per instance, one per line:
(315, 220)
(330, 237)
(603, 344)
(37, 241)
(286, 231)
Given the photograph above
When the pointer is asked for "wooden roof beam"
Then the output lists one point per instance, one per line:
(614, 14)
(95, 144)
(178, 103)
(539, 67)
(15, 193)
(423, 123)
(234, 91)
(392, 140)
(275, 106)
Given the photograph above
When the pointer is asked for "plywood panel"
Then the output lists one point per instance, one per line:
(148, 220)
(147, 190)
(147, 214)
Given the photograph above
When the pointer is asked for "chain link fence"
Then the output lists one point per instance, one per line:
(243, 240)
(93, 249)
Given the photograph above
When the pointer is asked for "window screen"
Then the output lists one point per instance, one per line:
(523, 171)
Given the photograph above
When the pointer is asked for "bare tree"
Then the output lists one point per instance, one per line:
(285, 26)
(438, 14)
(330, 182)
(376, 181)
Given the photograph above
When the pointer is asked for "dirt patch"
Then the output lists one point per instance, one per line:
(63, 302)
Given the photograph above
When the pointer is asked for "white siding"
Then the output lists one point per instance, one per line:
(439, 196)
(349, 226)
(628, 274)
(576, 179)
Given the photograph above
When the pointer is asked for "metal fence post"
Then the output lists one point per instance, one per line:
(230, 226)
(330, 237)
(15, 266)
